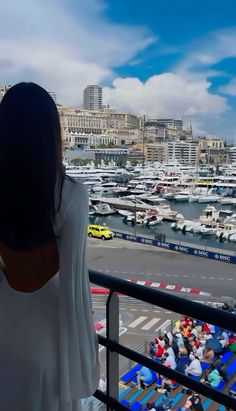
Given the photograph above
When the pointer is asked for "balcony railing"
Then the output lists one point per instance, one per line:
(114, 348)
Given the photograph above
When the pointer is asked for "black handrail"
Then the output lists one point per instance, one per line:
(176, 304)
(166, 300)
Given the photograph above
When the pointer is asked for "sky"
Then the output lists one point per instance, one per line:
(159, 58)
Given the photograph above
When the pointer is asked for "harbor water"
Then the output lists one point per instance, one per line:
(191, 211)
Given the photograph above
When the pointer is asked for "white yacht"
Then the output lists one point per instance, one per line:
(103, 209)
(226, 231)
(208, 229)
(182, 196)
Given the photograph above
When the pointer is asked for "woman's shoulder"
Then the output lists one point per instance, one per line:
(73, 192)
(74, 197)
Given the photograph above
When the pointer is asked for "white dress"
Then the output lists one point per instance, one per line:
(48, 346)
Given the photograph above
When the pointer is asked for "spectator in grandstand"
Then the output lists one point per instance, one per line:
(159, 350)
(179, 338)
(219, 365)
(169, 361)
(232, 339)
(169, 350)
(224, 338)
(168, 337)
(175, 346)
(102, 385)
(188, 343)
(161, 341)
(208, 355)
(194, 367)
(206, 335)
(182, 351)
(205, 328)
(150, 407)
(213, 377)
(193, 403)
(151, 349)
(143, 375)
(199, 351)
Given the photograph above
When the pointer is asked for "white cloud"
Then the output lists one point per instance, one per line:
(166, 94)
(209, 50)
(62, 46)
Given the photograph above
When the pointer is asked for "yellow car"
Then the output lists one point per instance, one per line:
(99, 231)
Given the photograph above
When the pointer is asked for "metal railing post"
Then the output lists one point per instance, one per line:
(112, 358)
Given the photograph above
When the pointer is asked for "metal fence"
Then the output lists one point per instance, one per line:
(114, 348)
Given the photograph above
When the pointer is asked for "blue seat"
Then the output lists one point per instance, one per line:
(232, 389)
(230, 370)
(226, 357)
(182, 361)
(125, 403)
(127, 377)
(136, 406)
(205, 365)
(158, 382)
(220, 386)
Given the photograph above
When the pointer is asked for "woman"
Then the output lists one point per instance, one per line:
(48, 347)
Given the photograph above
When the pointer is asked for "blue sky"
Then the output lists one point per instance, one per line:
(159, 58)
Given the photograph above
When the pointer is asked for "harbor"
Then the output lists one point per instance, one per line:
(189, 204)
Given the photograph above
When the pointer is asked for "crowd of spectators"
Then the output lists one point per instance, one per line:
(191, 344)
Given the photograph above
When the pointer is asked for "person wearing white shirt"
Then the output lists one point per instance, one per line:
(194, 367)
(170, 351)
(170, 361)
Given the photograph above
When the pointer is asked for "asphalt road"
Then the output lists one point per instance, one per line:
(128, 260)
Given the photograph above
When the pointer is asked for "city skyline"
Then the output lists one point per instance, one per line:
(166, 59)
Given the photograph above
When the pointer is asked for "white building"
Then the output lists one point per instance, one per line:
(95, 121)
(87, 141)
(155, 131)
(180, 151)
(93, 97)
(171, 123)
(232, 155)
(3, 90)
(183, 152)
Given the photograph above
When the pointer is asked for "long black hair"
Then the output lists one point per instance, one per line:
(31, 168)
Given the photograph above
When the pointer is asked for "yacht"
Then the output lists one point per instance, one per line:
(208, 229)
(182, 196)
(226, 231)
(103, 209)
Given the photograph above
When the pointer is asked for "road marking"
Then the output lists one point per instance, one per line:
(229, 279)
(163, 326)
(156, 311)
(150, 324)
(145, 311)
(203, 277)
(138, 321)
(212, 278)
(168, 312)
(132, 309)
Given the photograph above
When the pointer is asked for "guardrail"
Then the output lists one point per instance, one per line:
(114, 348)
(172, 246)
